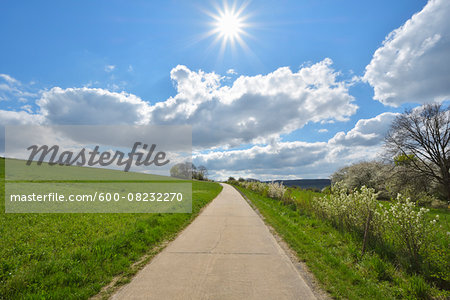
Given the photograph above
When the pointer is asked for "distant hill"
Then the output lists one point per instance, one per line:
(306, 183)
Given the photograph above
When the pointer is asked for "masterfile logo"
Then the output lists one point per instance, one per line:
(97, 169)
(94, 157)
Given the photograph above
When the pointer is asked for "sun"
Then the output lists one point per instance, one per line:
(229, 25)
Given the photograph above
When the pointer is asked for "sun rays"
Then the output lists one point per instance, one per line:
(229, 26)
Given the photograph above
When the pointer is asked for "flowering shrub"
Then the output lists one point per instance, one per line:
(349, 210)
(273, 190)
(255, 186)
(408, 228)
(402, 225)
(276, 190)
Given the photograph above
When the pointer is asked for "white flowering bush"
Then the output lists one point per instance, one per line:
(255, 186)
(276, 190)
(273, 190)
(349, 210)
(408, 228)
(402, 224)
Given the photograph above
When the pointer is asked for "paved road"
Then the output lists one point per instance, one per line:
(226, 253)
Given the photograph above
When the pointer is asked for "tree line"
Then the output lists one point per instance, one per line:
(188, 170)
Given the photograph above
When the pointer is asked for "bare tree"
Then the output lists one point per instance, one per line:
(421, 135)
(203, 170)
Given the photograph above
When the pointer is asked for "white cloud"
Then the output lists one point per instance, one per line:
(285, 160)
(9, 79)
(265, 162)
(109, 68)
(413, 63)
(323, 130)
(280, 155)
(92, 106)
(367, 132)
(300, 159)
(9, 118)
(254, 108)
(27, 108)
(231, 72)
(13, 90)
(18, 118)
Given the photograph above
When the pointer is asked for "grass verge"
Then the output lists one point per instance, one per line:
(72, 256)
(334, 256)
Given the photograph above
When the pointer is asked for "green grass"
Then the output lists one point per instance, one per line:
(72, 256)
(334, 256)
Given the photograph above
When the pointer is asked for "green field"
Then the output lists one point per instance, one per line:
(72, 256)
(334, 256)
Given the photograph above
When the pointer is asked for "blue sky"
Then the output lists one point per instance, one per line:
(56, 54)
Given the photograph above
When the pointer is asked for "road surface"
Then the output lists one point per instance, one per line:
(227, 252)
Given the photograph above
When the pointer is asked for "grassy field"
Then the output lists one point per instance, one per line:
(334, 256)
(72, 256)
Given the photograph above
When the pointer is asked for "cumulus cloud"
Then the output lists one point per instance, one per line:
(19, 118)
(254, 108)
(289, 160)
(301, 159)
(280, 155)
(367, 132)
(267, 162)
(413, 63)
(10, 118)
(91, 106)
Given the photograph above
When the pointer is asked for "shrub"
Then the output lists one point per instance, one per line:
(273, 190)
(401, 226)
(349, 210)
(276, 190)
(409, 229)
